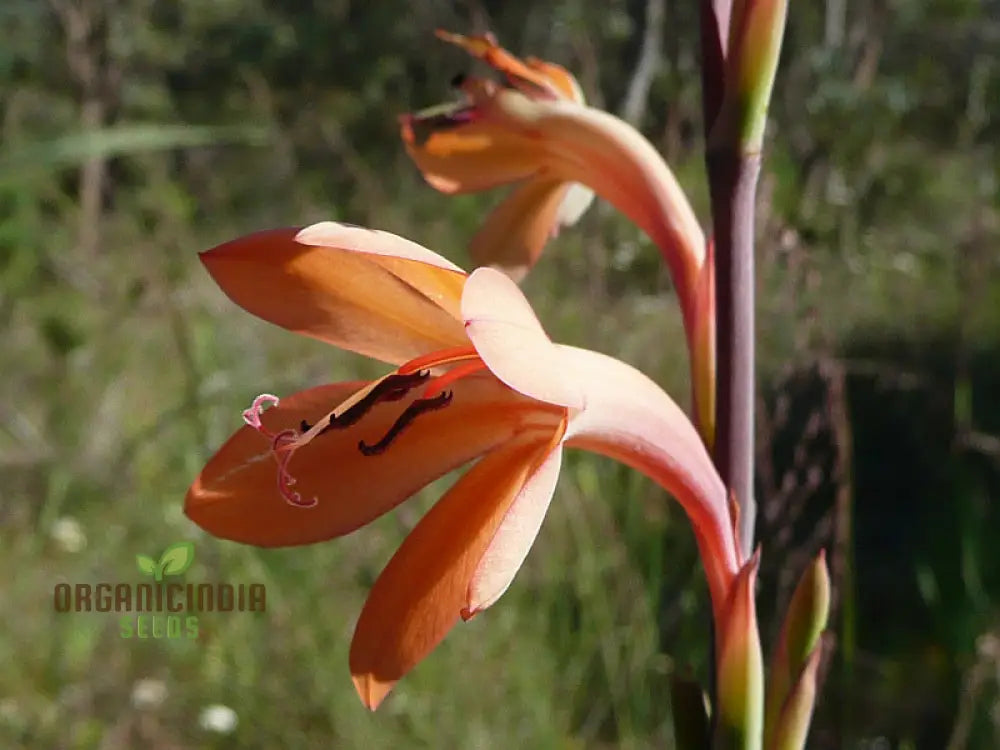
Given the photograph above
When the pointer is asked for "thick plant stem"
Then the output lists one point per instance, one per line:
(733, 185)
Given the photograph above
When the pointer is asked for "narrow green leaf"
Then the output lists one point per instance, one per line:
(75, 149)
(805, 620)
(793, 724)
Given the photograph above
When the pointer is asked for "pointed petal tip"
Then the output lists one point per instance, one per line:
(515, 232)
(202, 509)
(793, 722)
(370, 690)
(467, 613)
(418, 598)
(196, 505)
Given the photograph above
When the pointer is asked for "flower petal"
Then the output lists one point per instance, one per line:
(575, 204)
(629, 418)
(561, 78)
(369, 292)
(511, 341)
(424, 589)
(532, 76)
(739, 663)
(392, 250)
(468, 157)
(236, 495)
(619, 412)
(597, 149)
(515, 232)
(514, 538)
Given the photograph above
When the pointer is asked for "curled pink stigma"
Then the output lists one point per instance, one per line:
(252, 415)
(285, 479)
(278, 440)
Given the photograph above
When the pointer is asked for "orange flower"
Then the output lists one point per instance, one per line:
(515, 232)
(476, 378)
(536, 132)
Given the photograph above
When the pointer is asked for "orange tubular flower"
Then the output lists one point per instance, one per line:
(531, 132)
(476, 378)
(514, 234)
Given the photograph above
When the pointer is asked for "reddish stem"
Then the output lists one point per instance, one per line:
(733, 186)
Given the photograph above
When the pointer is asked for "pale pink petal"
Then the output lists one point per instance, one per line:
(516, 231)
(514, 537)
(372, 241)
(575, 204)
(511, 341)
(628, 417)
(513, 235)
(592, 147)
(616, 411)
(424, 589)
(380, 305)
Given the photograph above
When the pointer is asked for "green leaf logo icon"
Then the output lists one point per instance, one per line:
(147, 565)
(175, 560)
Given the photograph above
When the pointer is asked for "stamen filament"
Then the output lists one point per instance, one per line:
(285, 478)
(278, 441)
(438, 384)
(438, 358)
(390, 388)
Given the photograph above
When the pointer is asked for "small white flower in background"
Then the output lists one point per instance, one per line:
(148, 693)
(218, 718)
(67, 533)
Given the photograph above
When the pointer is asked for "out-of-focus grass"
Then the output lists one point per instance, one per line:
(132, 368)
(124, 370)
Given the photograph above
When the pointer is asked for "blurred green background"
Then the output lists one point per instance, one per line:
(134, 133)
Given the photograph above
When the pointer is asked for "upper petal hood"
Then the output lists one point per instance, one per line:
(594, 148)
(615, 410)
(509, 136)
(367, 291)
(512, 343)
(457, 151)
